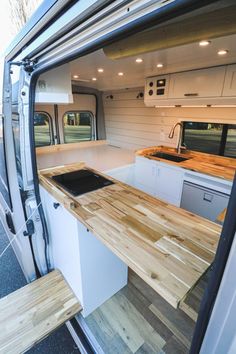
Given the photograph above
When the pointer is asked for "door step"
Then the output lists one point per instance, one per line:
(31, 313)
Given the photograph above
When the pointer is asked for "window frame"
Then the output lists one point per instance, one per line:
(51, 129)
(93, 126)
(222, 142)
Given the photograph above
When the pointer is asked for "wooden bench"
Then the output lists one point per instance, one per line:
(31, 313)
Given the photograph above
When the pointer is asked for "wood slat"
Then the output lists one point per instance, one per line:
(135, 226)
(31, 313)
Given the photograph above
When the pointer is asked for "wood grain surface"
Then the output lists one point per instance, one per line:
(31, 313)
(213, 165)
(168, 247)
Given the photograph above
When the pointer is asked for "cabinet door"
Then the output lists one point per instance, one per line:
(169, 184)
(145, 175)
(197, 83)
(230, 81)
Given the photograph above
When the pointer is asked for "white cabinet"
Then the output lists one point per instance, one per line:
(169, 183)
(90, 268)
(230, 81)
(197, 83)
(159, 179)
(145, 175)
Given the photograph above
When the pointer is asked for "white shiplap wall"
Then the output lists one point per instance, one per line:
(130, 124)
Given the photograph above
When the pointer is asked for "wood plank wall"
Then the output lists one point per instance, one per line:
(132, 125)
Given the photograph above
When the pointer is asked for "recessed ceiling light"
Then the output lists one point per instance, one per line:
(204, 43)
(139, 60)
(94, 79)
(75, 76)
(160, 65)
(222, 52)
(121, 74)
(100, 70)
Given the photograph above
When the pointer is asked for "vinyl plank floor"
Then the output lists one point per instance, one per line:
(137, 320)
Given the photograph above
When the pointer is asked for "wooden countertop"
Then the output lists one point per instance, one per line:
(166, 246)
(31, 313)
(216, 166)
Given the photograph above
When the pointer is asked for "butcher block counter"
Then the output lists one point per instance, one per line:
(213, 165)
(167, 247)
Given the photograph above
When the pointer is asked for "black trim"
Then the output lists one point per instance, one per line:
(217, 271)
(57, 124)
(84, 341)
(223, 139)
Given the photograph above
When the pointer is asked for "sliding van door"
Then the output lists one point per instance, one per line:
(17, 213)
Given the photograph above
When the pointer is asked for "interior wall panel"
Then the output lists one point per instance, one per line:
(130, 124)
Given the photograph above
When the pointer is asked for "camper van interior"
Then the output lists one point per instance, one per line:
(122, 126)
(136, 148)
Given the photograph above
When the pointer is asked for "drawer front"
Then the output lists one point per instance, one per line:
(203, 202)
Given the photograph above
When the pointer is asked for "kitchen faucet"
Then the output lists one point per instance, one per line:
(171, 135)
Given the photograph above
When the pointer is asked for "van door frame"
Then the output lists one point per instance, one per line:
(21, 244)
(120, 33)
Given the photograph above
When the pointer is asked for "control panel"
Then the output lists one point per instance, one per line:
(157, 87)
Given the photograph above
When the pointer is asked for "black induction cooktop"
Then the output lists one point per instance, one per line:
(81, 181)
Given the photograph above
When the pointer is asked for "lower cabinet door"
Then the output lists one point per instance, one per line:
(93, 271)
(169, 184)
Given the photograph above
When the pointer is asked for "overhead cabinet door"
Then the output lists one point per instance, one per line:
(197, 83)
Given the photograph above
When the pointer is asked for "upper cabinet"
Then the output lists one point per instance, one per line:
(197, 83)
(210, 86)
(230, 81)
(55, 86)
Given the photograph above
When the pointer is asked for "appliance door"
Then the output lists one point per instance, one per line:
(203, 201)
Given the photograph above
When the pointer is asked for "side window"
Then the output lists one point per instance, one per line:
(78, 126)
(43, 133)
(212, 138)
(4, 189)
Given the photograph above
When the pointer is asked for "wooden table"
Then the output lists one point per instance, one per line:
(166, 246)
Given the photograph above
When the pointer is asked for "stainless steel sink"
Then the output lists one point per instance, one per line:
(169, 157)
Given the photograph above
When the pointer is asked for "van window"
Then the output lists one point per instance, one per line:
(4, 189)
(43, 133)
(78, 126)
(212, 138)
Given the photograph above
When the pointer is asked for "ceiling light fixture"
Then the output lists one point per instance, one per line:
(222, 52)
(204, 43)
(139, 60)
(75, 76)
(100, 70)
(94, 79)
(121, 74)
(160, 65)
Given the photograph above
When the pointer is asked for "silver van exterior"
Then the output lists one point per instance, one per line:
(58, 33)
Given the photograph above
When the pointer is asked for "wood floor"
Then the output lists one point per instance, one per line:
(138, 320)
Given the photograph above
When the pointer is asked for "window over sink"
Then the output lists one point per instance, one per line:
(211, 138)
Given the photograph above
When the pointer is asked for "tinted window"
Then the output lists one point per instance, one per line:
(78, 126)
(212, 138)
(3, 173)
(42, 129)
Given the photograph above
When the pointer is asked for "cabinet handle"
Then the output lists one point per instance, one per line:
(56, 205)
(208, 197)
(191, 94)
